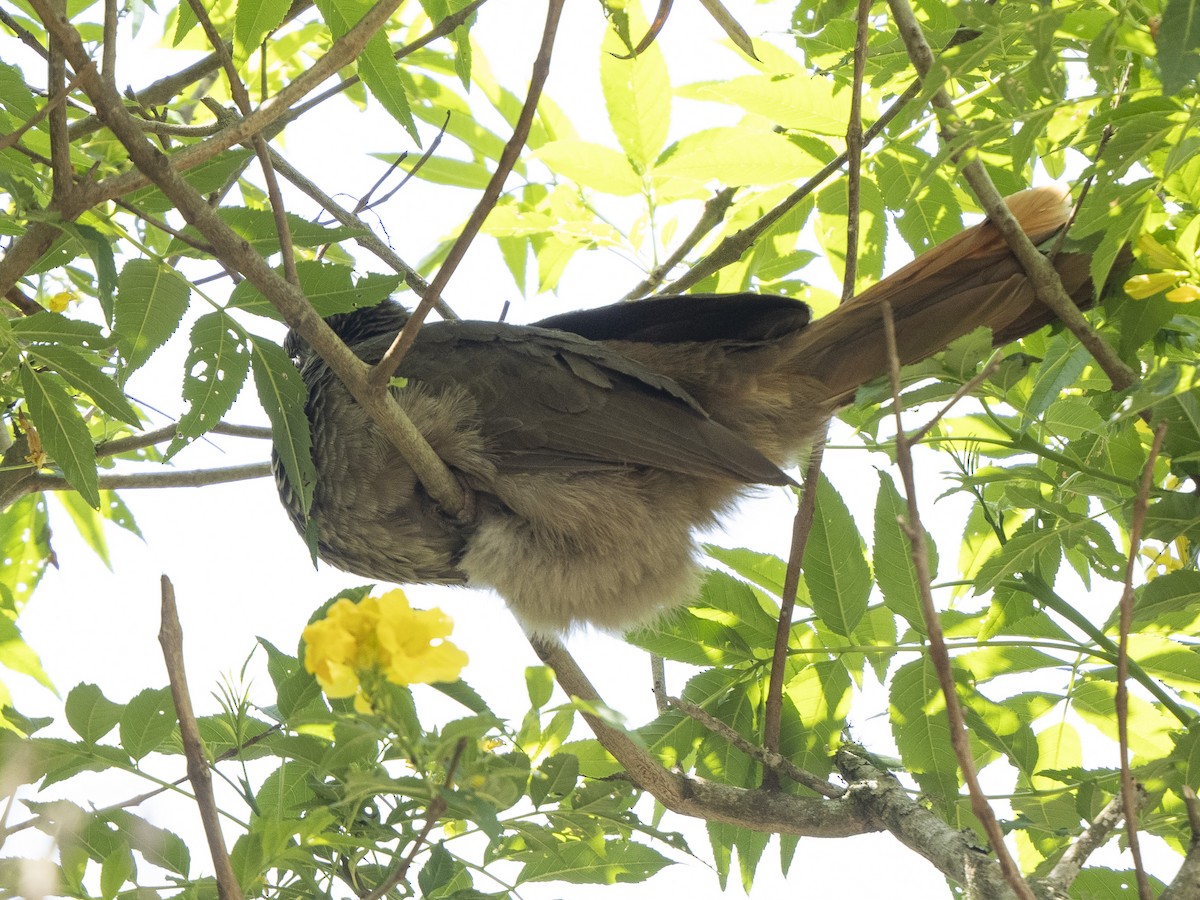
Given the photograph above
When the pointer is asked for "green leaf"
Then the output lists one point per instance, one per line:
(1178, 41)
(1170, 603)
(554, 778)
(1061, 367)
(892, 560)
(835, 568)
(89, 523)
(377, 67)
(282, 394)
(147, 721)
(100, 250)
(763, 569)
(90, 714)
(257, 227)
(539, 682)
(24, 548)
(591, 165)
(922, 730)
(732, 156)
(637, 94)
(17, 655)
(254, 20)
(63, 432)
(84, 374)
(792, 100)
(329, 287)
(116, 869)
(151, 301)
(54, 328)
(578, 862)
(284, 790)
(158, 846)
(213, 374)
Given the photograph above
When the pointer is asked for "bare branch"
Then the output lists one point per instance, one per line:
(801, 529)
(854, 145)
(937, 644)
(170, 636)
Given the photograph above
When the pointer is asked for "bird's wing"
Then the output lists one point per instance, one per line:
(549, 401)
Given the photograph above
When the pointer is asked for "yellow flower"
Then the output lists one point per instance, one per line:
(379, 635)
(59, 302)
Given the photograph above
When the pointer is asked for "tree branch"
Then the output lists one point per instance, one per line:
(233, 249)
(170, 636)
(386, 367)
(1042, 275)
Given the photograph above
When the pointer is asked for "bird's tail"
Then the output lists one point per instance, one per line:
(968, 281)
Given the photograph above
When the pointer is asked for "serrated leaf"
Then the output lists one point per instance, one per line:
(82, 373)
(254, 20)
(794, 100)
(90, 714)
(329, 287)
(591, 165)
(151, 301)
(89, 523)
(18, 656)
(282, 394)
(377, 67)
(579, 862)
(1178, 40)
(922, 730)
(1062, 365)
(892, 560)
(147, 721)
(158, 846)
(100, 250)
(55, 328)
(63, 432)
(216, 367)
(835, 568)
(637, 95)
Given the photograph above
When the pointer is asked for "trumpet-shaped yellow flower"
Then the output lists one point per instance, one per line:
(358, 642)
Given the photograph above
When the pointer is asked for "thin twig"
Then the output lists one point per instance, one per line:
(1129, 798)
(769, 758)
(108, 46)
(364, 236)
(170, 636)
(801, 529)
(436, 809)
(712, 215)
(937, 644)
(150, 438)
(134, 480)
(984, 374)
(854, 145)
(62, 170)
(241, 97)
(23, 34)
(382, 373)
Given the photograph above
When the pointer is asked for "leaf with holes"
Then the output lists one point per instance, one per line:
(147, 721)
(213, 374)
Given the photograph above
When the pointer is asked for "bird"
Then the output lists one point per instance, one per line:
(595, 444)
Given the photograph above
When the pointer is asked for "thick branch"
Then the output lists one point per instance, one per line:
(758, 810)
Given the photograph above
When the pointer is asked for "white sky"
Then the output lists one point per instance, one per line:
(240, 571)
